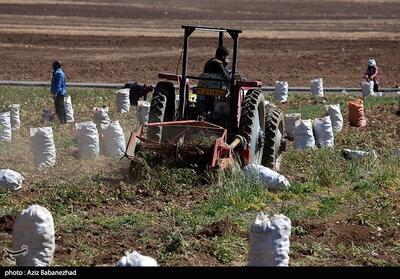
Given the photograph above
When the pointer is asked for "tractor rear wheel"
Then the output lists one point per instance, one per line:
(252, 124)
(274, 131)
(157, 112)
(162, 108)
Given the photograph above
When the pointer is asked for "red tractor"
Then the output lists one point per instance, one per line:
(240, 126)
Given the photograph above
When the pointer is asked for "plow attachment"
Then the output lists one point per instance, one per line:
(190, 143)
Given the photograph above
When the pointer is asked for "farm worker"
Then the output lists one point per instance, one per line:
(59, 90)
(216, 65)
(137, 91)
(371, 74)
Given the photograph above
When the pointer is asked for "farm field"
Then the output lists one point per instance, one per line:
(121, 41)
(343, 213)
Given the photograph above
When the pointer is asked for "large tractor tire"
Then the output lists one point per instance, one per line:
(162, 109)
(252, 124)
(274, 131)
(157, 112)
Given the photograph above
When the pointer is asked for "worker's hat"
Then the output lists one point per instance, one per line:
(371, 62)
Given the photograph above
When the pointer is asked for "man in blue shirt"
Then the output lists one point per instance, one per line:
(59, 90)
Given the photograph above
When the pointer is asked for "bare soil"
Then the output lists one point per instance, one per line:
(220, 228)
(100, 41)
(344, 233)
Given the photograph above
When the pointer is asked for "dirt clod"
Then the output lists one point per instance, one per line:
(7, 223)
(220, 228)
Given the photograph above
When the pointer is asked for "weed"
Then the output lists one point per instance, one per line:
(177, 243)
(236, 194)
(328, 205)
(226, 248)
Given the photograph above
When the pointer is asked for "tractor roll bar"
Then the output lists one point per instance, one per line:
(212, 29)
(234, 33)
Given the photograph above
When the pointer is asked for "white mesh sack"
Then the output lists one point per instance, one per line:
(122, 100)
(317, 87)
(87, 137)
(14, 116)
(142, 112)
(281, 91)
(69, 111)
(336, 117)
(43, 148)
(323, 132)
(136, 259)
(367, 88)
(113, 139)
(270, 179)
(269, 241)
(290, 124)
(350, 154)
(11, 180)
(34, 229)
(5, 126)
(303, 135)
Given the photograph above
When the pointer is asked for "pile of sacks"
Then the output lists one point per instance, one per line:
(92, 137)
(101, 134)
(319, 132)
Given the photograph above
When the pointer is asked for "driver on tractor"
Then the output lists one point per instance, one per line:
(218, 64)
(216, 67)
